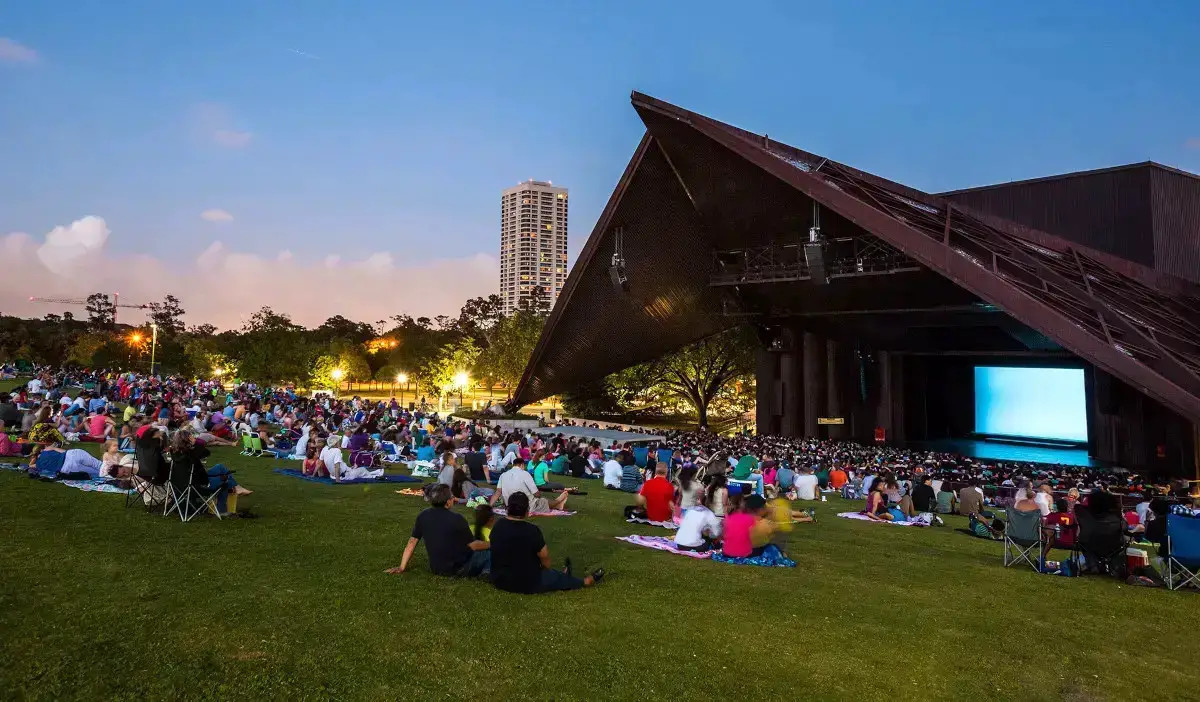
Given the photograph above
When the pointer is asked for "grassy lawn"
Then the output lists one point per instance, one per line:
(98, 602)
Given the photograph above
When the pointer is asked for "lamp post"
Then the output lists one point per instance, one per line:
(461, 381)
(401, 379)
(337, 374)
(153, 344)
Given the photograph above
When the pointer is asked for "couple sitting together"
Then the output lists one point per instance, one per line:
(513, 555)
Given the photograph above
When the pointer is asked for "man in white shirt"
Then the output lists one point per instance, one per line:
(806, 484)
(34, 386)
(517, 479)
(331, 456)
(612, 473)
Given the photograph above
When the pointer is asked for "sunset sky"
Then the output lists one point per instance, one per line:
(347, 158)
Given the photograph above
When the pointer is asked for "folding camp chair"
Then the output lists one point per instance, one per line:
(640, 455)
(186, 499)
(1023, 538)
(257, 449)
(1183, 552)
(247, 448)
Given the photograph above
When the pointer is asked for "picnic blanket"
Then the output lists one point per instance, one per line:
(96, 485)
(293, 473)
(662, 543)
(642, 520)
(771, 557)
(414, 492)
(915, 521)
(14, 466)
(500, 512)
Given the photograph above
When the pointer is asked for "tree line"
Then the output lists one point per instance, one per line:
(711, 377)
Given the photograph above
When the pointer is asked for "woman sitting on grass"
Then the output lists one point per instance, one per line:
(463, 490)
(717, 496)
(541, 473)
(313, 466)
(44, 430)
(699, 530)
(877, 507)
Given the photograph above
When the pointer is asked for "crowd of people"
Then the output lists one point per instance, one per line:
(729, 494)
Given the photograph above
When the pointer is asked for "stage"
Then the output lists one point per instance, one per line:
(1006, 451)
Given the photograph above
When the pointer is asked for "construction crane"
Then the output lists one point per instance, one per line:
(116, 302)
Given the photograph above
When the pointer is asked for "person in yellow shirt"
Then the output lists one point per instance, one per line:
(781, 515)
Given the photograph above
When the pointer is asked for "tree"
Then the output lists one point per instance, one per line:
(102, 312)
(439, 374)
(537, 302)
(168, 315)
(338, 327)
(272, 350)
(697, 373)
(479, 317)
(83, 350)
(512, 343)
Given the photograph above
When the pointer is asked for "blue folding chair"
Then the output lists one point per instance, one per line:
(1183, 552)
(640, 454)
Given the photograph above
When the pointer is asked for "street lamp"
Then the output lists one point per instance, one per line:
(401, 379)
(153, 344)
(337, 374)
(461, 380)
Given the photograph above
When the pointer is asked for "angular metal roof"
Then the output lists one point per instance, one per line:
(696, 185)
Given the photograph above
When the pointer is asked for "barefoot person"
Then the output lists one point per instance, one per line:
(516, 480)
(521, 559)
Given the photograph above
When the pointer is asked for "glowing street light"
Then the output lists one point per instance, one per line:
(135, 338)
(337, 373)
(402, 378)
(461, 380)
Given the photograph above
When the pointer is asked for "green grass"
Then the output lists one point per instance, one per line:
(100, 602)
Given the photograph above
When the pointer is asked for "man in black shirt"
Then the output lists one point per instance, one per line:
(520, 558)
(577, 465)
(9, 413)
(451, 548)
(922, 496)
(476, 463)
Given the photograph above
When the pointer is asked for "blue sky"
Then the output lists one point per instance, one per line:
(400, 136)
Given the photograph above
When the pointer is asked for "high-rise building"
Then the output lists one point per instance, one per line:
(533, 242)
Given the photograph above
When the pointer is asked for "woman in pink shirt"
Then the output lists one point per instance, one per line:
(100, 425)
(736, 534)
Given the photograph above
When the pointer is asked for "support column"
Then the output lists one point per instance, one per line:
(883, 414)
(814, 369)
(790, 422)
(833, 389)
(765, 383)
(898, 432)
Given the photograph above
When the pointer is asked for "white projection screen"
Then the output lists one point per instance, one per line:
(1032, 403)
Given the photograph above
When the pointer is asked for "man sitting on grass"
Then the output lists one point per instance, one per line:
(521, 559)
(516, 480)
(449, 544)
(654, 501)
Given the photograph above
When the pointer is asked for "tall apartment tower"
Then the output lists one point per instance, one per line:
(533, 242)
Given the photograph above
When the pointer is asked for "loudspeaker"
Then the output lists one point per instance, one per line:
(814, 254)
(619, 279)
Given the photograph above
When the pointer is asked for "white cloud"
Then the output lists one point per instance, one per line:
(13, 51)
(216, 215)
(67, 247)
(231, 138)
(224, 287)
(214, 123)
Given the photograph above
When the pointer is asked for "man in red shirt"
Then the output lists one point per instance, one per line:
(656, 496)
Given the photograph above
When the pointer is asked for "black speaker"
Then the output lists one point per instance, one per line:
(619, 279)
(814, 254)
